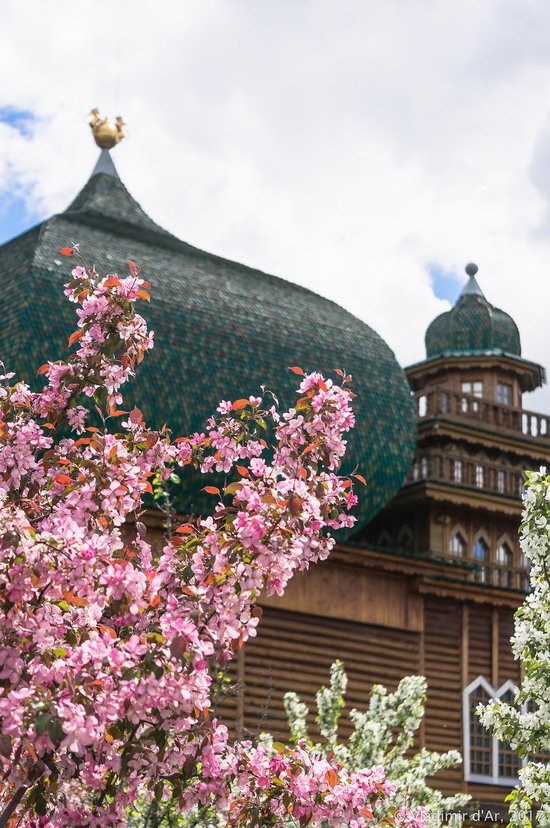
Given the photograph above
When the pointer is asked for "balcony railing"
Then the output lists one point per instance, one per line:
(451, 467)
(442, 401)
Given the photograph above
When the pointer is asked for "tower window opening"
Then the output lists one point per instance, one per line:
(501, 481)
(504, 393)
(473, 389)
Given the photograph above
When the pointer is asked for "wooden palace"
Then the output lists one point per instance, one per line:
(430, 580)
(431, 584)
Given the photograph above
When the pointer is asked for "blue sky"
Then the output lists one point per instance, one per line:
(446, 285)
(16, 216)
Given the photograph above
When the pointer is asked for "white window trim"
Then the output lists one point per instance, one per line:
(495, 779)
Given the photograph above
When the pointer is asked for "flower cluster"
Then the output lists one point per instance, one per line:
(108, 643)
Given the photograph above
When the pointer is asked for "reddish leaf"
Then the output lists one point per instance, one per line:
(360, 478)
(73, 599)
(337, 371)
(322, 385)
(185, 529)
(211, 490)
(42, 369)
(310, 448)
(74, 337)
(146, 285)
(63, 479)
(133, 268)
(136, 416)
(294, 504)
(297, 370)
(332, 778)
(239, 404)
(67, 251)
(112, 281)
(178, 645)
(143, 295)
(242, 470)
(103, 628)
(147, 486)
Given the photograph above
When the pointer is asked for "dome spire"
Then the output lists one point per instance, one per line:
(105, 165)
(471, 288)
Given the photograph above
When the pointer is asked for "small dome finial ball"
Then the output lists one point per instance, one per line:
(471, 269)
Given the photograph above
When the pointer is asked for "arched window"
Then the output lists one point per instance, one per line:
(481, 557)
(480, 476)
(503, 575)
(384, 541)
(485, 758)
(458, 471)
(457, 546)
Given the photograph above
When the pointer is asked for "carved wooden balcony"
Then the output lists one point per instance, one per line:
(439, 401)
(462, 470)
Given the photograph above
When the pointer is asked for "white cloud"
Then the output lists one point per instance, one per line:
(342, 144)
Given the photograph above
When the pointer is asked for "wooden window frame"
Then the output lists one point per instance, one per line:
(495, 778)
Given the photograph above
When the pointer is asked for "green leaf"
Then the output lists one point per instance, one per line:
(42, 723)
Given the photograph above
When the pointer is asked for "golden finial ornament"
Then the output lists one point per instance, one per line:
(106, 135)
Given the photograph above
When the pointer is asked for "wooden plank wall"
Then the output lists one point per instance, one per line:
(442, 660)
(294, 651)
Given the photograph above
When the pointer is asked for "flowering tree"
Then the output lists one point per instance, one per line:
(525, 725)
(383, 735)
(107, 645)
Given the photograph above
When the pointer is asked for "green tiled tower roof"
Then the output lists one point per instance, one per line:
(221, 330)
(473, 326)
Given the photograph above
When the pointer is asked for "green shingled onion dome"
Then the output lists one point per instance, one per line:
(221, 330)
(473, 326)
